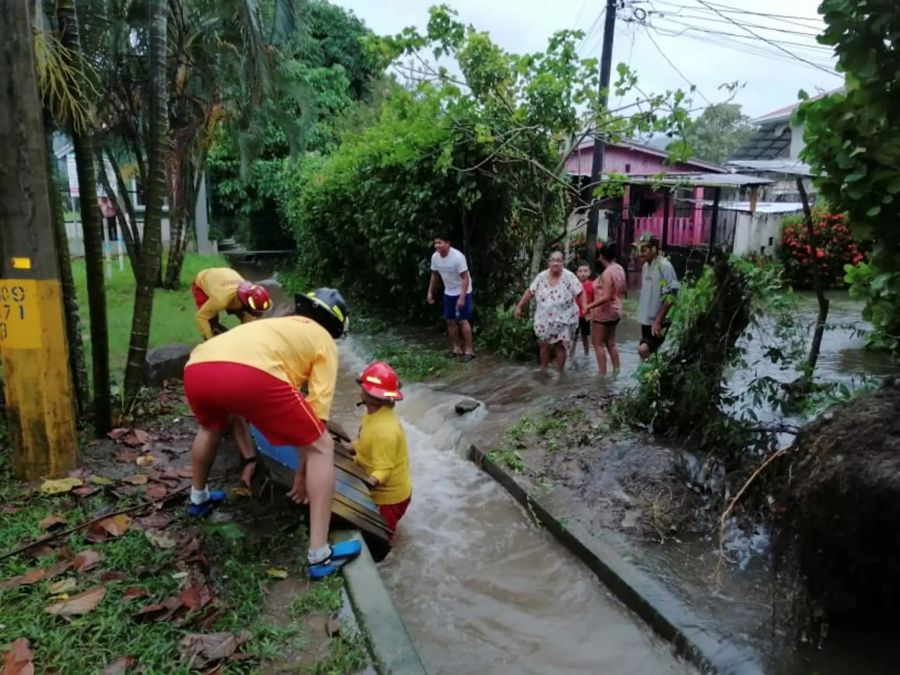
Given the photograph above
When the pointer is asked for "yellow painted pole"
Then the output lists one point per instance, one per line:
(36, 378)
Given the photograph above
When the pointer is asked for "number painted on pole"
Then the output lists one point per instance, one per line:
(20, 321)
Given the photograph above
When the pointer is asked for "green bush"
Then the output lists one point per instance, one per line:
(506, 336)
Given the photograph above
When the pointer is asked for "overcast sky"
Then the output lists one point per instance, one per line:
(772, 78)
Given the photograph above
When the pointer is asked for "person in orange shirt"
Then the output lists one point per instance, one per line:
(221, 289)
(255, 372)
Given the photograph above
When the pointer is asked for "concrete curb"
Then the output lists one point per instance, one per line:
(649, 599)
(392, 648)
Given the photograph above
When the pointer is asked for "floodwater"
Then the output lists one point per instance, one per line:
(483, 589)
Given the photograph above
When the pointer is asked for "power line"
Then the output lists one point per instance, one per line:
(711, 6)
(590, 33)
(580, 12)
(777, 46)
(704, 29)
(674, 67)
(715, 19)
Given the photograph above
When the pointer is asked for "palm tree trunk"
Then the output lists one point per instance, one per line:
(121, 219)
(70, 301)
(156, 190)
(93, 241)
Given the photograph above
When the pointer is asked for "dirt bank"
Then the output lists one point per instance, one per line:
(839, 514)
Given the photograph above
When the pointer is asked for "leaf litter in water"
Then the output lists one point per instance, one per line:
(78, 604)
(19, 660)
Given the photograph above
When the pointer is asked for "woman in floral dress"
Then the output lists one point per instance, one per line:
(555, 315)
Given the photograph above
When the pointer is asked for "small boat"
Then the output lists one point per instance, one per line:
(353, 505)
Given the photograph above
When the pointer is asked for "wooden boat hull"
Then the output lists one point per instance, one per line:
(353, 505)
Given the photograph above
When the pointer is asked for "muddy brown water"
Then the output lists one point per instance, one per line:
(483, 589)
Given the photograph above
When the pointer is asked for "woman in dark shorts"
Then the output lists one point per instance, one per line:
(606, 309)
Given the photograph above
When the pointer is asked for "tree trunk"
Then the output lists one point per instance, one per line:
(70, 302)
(122, 221)
(93, 241)
(148, 273)
(816, 345)
(182, 202)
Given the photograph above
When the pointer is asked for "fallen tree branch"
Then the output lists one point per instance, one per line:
(63, 533)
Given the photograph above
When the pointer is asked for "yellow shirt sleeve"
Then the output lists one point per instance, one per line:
(322, 380)
(220, 285)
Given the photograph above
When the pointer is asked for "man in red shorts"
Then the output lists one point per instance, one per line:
(255, 372)
(221, 289)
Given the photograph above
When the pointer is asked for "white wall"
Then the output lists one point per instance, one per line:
(757, 233)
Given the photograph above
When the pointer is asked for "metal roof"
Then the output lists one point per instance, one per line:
(726, 180)
(793, 167)
(770, 141)
(761, 207)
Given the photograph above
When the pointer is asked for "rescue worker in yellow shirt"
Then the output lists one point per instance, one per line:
(255, 372)
(221, 289)
(381, 449)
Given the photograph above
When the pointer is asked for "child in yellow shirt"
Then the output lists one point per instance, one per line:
(381, 447)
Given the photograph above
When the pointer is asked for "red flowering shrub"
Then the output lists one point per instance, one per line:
(830, 247)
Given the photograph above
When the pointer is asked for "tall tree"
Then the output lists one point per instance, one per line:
(853, 144)
(718, 132)
(157, 146)
(92, 227)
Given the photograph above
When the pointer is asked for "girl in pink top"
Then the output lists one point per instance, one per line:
(606, 309)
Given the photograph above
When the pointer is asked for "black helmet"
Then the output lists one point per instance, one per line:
(326, 307)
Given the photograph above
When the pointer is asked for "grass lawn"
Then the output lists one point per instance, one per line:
(173, 311)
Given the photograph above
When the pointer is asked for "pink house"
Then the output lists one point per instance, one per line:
(643, 208)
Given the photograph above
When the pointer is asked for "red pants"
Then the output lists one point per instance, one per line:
(216, 390)
(200, 297)
(392, 513)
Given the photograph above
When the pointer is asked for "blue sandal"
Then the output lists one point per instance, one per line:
(341, 553)
(216, 497)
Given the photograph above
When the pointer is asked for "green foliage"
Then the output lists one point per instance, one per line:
(853, 144)
(413, 365)
(507, 337)
(881, 302)
(718, 132)
(830, 247)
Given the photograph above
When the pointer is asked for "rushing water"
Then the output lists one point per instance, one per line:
(482, 589)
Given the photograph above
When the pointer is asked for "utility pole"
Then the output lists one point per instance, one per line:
(609, 29)
(33, 348)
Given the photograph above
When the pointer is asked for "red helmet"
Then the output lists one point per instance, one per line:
(255, 298)
(380, 381)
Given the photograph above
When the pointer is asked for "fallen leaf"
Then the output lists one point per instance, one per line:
(333, 625)
(9, 508)
(52, 487)
(19, 659)
(158, 612)
(101, 480)
(85, 491)
(32, 577)
(126, 456)
(62, 586)
(52, 521)
(155, 492)
(133, 593)
(195, 597)
(241, 492)
(136, 438)
(276, 573)
(116, 434)
(116, 525)
(204, 649)
(113, 575)
(160, 539)
(86, 560)
(137, 479)
(78, 604)
(96, 534)
(145, 460)
(180, 575)
(155, 521)
(185, 472)
(120, 665)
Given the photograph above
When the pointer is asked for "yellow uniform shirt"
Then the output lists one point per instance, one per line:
(295, 349)
(220, 285)
(381, 451)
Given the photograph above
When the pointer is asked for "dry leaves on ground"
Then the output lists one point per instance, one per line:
(277, 573)
(333, 625)
(133, 593)
(52, 521)
(195, 597)
(137, 479)
(62, 586)
(160, 539)
(78, 604)
(19, 659)
(120, 665)
(86, 560)
(203, 650)
(60, 485)
(34, 576)
(159, 612)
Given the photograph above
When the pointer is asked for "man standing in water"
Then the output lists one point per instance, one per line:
(659, 285)
(449, 265)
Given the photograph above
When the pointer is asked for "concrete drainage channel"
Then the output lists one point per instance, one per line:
(666, 614)
(391, 648)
